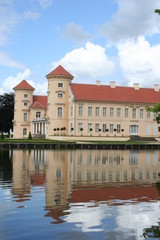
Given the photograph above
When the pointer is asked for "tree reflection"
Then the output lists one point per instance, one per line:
(152, 232)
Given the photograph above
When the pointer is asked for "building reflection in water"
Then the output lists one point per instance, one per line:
(72, 176)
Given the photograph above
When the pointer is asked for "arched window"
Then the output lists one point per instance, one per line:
(38, 114)
(25, 117)
(59, 112)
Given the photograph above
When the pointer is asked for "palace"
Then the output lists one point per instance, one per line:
(84, 109)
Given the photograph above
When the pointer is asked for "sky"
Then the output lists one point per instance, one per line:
(106, 40)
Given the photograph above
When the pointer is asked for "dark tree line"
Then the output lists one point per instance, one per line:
(6, 111)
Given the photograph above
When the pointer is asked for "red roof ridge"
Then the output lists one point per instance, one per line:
(37, 105)
(24, 85)
(59, 71)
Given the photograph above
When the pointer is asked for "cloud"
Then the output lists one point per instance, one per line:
(133, 18)
(87, 63)
(6, 60)
(8, 20)
(139, 61)
(10, 82)
(31, 15)
(76, 33)
(45, 3)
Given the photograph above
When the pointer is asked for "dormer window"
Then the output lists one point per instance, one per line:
(60, 85)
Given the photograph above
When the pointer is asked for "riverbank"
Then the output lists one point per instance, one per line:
(69, 142)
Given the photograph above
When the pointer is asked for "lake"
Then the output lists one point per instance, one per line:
(79, 194)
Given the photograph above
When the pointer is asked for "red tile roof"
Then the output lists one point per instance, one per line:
(88, 92)
(39, 101)
(59, 71)
(24, 85)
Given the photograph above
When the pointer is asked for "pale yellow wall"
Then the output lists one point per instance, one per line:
(19, 110)
(125, 122)
(54, 102)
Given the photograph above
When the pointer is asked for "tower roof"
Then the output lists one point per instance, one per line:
(24, 85)
(59, 71)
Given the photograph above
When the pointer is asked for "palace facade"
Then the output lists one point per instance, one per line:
(84, 109)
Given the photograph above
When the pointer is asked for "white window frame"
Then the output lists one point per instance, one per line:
(80, 111)
(60, 85)
(104, 111)
(89, 111)
(111, 112)
(97, 111)
(59, 112)
(118, 112)
(126, 112)
(60, 95)
(97, 127)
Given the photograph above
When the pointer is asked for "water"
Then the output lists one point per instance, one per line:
(79, 194)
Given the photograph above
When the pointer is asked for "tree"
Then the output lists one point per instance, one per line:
(29, 136)
(157, 11)
(155, 109)
(6, 111)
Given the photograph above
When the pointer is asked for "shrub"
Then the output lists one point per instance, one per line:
(29, 136)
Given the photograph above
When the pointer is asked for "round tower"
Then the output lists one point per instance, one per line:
(23, 101)
(57, 108)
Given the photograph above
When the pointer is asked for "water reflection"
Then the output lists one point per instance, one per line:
(97, 191)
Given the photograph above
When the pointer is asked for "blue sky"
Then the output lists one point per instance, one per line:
(107, 40)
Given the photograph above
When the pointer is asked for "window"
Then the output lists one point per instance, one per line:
(60, 85)
(89, 111)
(133, 129)
(97, 111)
(25, 104)
(89, 127)
(126, 112)
(155, 115)
(80, 110)
(25, 95)
(71, 111)
(111, 128)
(104, 111)
(38, 115)
(141, 113)
(118, 128)
(104, 127)
(25, 117)
(79, 127)
(58, 174)
(60, 95)
(133, 113)
(148, 114)
(24, 131)
(59, 112)
(111, 112)
(97, 127)
(118, 112)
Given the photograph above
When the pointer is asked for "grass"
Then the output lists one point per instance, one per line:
(7, 140)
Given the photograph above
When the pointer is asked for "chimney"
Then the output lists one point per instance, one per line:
(136, 86)
(112, 84)
(156, 87)
(98, 82)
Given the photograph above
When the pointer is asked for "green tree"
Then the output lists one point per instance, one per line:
(157, 11)
(6, 111)
(155, 109)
